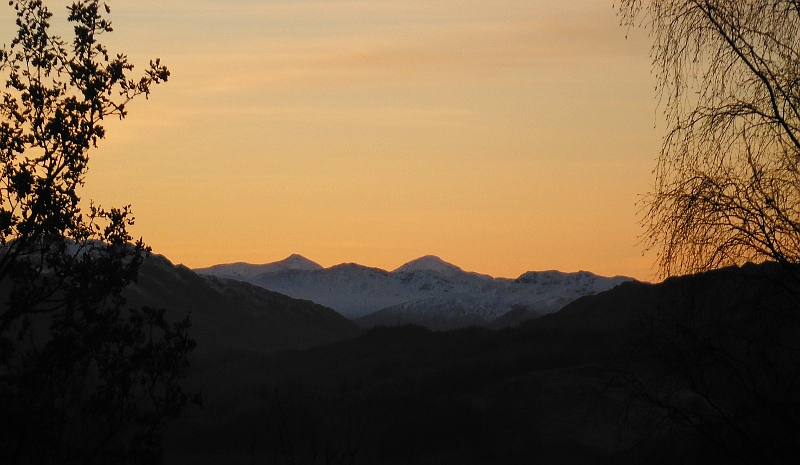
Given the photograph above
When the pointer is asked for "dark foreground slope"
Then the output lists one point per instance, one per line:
(557, 389)
(233, 315)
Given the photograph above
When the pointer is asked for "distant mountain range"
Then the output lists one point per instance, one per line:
(426, 291)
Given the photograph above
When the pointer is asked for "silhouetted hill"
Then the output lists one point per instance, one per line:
(228, 314)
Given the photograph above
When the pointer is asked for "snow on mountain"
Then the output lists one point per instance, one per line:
(244, 271)
(355, 290)
(539, 292)
(427, 290)
(430, 263)
(584, 282)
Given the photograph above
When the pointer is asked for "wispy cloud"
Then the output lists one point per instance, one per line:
(249, 44)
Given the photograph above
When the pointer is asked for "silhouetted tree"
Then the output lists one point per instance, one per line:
(718, 372)
(82, 379)
(727, 186)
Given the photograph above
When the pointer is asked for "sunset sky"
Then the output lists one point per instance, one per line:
(502, 136)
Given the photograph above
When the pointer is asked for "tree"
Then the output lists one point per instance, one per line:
(718, 365)
(727, 187)
(82, 379)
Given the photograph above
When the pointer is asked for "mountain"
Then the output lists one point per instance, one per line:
(430, 263)
(535, 292)
(426, 291)
(241, 270)
(234, 315)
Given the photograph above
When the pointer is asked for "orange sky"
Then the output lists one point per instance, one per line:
(502, 136)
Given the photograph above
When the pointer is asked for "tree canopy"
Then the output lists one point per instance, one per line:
(82, 378)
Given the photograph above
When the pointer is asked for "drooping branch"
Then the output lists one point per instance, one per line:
(729, 77)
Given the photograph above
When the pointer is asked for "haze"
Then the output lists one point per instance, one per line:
(502, 136)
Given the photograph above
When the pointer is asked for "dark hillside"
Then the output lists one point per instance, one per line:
(228, 315)
(550, 390)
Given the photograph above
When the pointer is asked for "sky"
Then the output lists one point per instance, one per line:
(501, 136)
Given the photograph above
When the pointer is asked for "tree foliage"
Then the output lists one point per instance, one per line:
(727, 186)
(82, 379)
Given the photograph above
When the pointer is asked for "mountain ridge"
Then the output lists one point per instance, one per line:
(427, 291)
(429, 263)
(244, 269)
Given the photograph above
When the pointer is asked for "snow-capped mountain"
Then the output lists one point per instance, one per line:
(243, 270)
(538, 292)
(427, 291)
(431, 263)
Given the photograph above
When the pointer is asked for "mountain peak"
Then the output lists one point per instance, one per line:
(242, 270)
(430, 263)
(293, 262)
